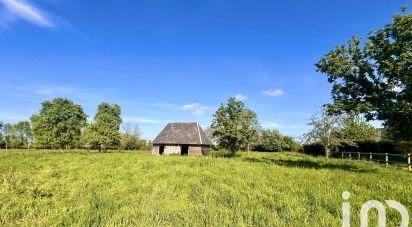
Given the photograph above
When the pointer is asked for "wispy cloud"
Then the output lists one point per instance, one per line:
(273, 92)
(241, 97)
(195, 108)
(24, 10)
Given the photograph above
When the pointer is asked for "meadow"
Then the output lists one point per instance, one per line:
(135, 189)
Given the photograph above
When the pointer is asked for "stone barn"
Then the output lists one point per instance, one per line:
(182, 139)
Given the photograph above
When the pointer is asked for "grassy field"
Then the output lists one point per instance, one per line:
(264, 189)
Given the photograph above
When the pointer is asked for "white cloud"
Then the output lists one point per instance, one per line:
(140, 120)
(195, 108)
(22, 9)
(273, 92)
(240, 97)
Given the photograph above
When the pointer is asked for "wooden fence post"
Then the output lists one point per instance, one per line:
(370, 156)
(409, 162)
(386, 159)
(350, 156)
(358, 155)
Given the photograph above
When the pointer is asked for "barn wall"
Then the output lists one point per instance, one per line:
(172, 150)
(155, 150)
(195, 151)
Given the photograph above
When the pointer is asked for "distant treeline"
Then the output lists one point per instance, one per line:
(62, 124)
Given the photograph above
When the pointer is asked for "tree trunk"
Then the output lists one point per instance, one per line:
(327, 152)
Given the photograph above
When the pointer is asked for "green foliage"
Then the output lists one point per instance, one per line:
(234, 126)
(136, 189)
(375, 77)
(315, 149)
(271, 140)
(331, 130)
(58, 124)
(104, 132)
(221, 153)
(18, 135)
(324, 131)
(391, 147)
(355, 129)
(289, 144)
(378, 147)
(2, 139)
(130, 138)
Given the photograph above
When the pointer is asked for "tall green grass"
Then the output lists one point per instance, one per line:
(123, 189)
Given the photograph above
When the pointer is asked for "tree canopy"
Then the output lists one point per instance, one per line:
(104, 132)
(354, 128)
(234, 125)
(375, 77)
(19, 135)
(330, 130)
(59, 123)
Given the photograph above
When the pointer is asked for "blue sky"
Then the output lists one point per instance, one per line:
(173, 60)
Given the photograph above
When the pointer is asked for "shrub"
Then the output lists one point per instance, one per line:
(404, 147)
(374, 147)
(315, 149)
(222, 153)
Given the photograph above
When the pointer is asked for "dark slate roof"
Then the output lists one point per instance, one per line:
(183, 133)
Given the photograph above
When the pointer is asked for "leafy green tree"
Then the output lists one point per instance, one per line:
(271, 140)
(234, 126)
(22, 134)
(58, 124)
(104, 132)
(324, 131)
(354, 128)
(289, 144)
(375, 77)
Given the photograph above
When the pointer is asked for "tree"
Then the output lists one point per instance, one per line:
(7, 128)
(131, 137)
(2, 141)
(234, 126)
(58, 124)
(354, 128)
(104, 132)
(290, 144)
(22, 134)
(375, 77)
(324, 131)
(271, 140)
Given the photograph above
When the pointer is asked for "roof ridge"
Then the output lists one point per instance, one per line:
(200, 135)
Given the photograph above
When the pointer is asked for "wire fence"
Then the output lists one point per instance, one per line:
(382, 158)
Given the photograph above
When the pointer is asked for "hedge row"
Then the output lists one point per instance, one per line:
(381, 147)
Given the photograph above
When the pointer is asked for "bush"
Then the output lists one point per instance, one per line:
(314, 149)
(223, 153)
(379, 147)
(404, 147)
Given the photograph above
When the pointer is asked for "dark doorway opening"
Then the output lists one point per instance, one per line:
(161, 150)
(184, 150)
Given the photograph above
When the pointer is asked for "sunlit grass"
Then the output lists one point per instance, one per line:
(270, 189)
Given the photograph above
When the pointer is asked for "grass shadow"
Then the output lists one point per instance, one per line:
(308, 164)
